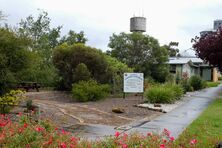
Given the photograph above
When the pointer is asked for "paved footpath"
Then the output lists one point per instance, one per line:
(175, 121)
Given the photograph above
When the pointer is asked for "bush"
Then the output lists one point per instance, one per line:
(149, 82)
(177, 89)
(160, 94)
(115, 70)
(66, 58)
(204, 84)
(170, 79)
(27, 133)
(167, 93)
(196, 82)
(81, 73)
(89, 91)
(9, 99)
(186, 85)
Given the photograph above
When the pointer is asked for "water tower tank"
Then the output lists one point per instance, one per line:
(217, 24)
(138, 24)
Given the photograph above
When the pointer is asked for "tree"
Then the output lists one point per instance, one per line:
(14, 58)
(116, 69)
(172, 49)
(81, 73)
(73, 38)
(141, 52)
(67, 57)
(209, 48)
(43, 40)
(43, 37)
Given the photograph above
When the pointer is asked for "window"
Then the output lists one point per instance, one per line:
(173, 68)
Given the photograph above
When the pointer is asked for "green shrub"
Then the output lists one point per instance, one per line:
(196, 82)
(160, 94)
(204, 84)
(29, 104)
(67, 57)
(186, 85)
(89, 91)
(170, 79)
(116, 69)
(167, 93)
(177, 89)
(149, 82)
(10, 99)
(81, 73)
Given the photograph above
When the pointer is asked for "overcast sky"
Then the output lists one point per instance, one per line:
(167, 20)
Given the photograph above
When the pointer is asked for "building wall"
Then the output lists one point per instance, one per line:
(178, 70)
(206, 74)
(187, 69)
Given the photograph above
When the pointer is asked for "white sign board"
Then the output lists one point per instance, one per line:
(133, 83)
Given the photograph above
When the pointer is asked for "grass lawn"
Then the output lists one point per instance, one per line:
(213, 84)
(207, 128)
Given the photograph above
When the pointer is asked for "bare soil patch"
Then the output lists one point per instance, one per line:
(65, 111)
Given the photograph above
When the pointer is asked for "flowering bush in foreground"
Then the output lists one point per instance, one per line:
(26, 133)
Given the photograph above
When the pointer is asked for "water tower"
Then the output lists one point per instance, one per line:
(217, 24)
(138, 24)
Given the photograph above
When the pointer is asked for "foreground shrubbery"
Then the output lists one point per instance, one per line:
(167, 93)
(89, 91)
(29, 134)
(10, 99)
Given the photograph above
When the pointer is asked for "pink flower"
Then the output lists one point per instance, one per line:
(149, 134)
(117, 134)
(166, 132)
(20, 130)
(162, 146)
(3, 124)
(49, 141)
(2, 136)
(62, 145)
(39, 129)
(125, 136)
(172, 138)
(73, 139)
(124, 146)
(194, 141)
(164, 140)
(25, 125)
(63, 132)
(20, 114)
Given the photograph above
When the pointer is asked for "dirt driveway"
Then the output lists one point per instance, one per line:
(64, 111)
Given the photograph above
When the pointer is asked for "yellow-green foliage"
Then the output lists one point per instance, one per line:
(11, 98)
(167, 93)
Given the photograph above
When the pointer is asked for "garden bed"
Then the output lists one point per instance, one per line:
(64, 111)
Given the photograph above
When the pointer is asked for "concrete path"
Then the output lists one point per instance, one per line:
(175, 121)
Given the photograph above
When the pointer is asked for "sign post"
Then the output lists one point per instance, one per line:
(133, 83)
